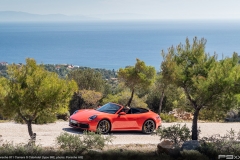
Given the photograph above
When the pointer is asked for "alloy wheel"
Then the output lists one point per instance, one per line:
(104, 126)
(148, 126)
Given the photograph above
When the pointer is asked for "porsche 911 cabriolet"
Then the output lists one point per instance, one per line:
(114, 117)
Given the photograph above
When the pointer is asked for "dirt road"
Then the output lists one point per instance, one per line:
(47, 133)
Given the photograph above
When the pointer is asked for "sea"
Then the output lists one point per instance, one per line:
(112, 44)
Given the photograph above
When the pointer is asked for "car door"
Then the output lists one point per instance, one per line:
(120, 122)
(132, 121)
(125, 122)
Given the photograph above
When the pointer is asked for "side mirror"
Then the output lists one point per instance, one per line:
(122, 113)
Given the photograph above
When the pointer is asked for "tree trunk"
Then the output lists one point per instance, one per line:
(29, 124)
(161, 101)
(130, 100)
(194, 124)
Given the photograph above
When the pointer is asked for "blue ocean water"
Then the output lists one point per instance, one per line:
(111, 45)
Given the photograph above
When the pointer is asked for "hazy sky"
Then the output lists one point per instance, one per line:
(147, 9)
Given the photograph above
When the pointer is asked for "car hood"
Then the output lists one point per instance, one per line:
(84, 114)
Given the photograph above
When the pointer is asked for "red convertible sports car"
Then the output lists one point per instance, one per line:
(113, 117)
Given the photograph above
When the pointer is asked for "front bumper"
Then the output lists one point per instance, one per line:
(158, 123)
(85, 125)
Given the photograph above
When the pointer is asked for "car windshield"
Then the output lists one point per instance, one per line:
(109, 108)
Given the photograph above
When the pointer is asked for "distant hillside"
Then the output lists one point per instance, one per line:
(11, 16)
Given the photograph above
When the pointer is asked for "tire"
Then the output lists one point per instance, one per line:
(104, 126)
(148, 126)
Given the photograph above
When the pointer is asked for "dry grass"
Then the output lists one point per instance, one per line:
(3, 121)
(144, 148)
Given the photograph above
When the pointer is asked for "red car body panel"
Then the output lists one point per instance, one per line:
(126, 122)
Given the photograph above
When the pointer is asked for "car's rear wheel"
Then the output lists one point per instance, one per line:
(148, 126)
(104, 126)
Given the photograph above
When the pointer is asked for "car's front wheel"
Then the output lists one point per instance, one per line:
(104, 126)
(148, 126)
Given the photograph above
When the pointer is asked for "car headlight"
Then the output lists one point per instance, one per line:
(73, 121)
(92, 117)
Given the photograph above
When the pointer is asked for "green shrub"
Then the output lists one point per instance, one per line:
(63, 116)
(71, 143)
(8, 149)
(215, 145)
(125, 155)
(212, 114)
(175, 133)
(43, 118)
(233, 115)
(168, 118)
(193, 154)
(46, 117)
(79, 144)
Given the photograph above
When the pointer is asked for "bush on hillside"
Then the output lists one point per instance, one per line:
(176, 133)
(167, 118)
(225, 145)
(79, 144)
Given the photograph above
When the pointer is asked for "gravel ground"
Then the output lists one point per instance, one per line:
(47, 133)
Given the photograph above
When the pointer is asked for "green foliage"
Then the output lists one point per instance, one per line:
(173, 98)
(8, 149)
(90, 97)
(176, 133)
(4, 89)
(79, 144)
(88, 79)
(127, 155)
(70, 143)
(193, 154)
(3, 71)
(139, 77)
(84, 99)
(221, 145)
(31, 90)
(122, 98)
(91, 88)
(43, 118)
(205, 81)
(64, 69)
(233, 115)
(167, 118)
(212, 114)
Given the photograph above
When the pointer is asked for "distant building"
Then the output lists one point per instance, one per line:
(3, 63)
(75, 66)
(70, 67)
(57, 67)
(114, 79)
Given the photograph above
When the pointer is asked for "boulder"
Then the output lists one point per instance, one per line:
(188, 115)
(176, 116)
(168, 147)
(190, 145)
(184, 118)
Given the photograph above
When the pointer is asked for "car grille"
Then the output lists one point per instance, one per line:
(79, 125)
(83, 125)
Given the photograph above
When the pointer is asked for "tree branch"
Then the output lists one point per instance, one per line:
(20, 114)
(189, 98)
